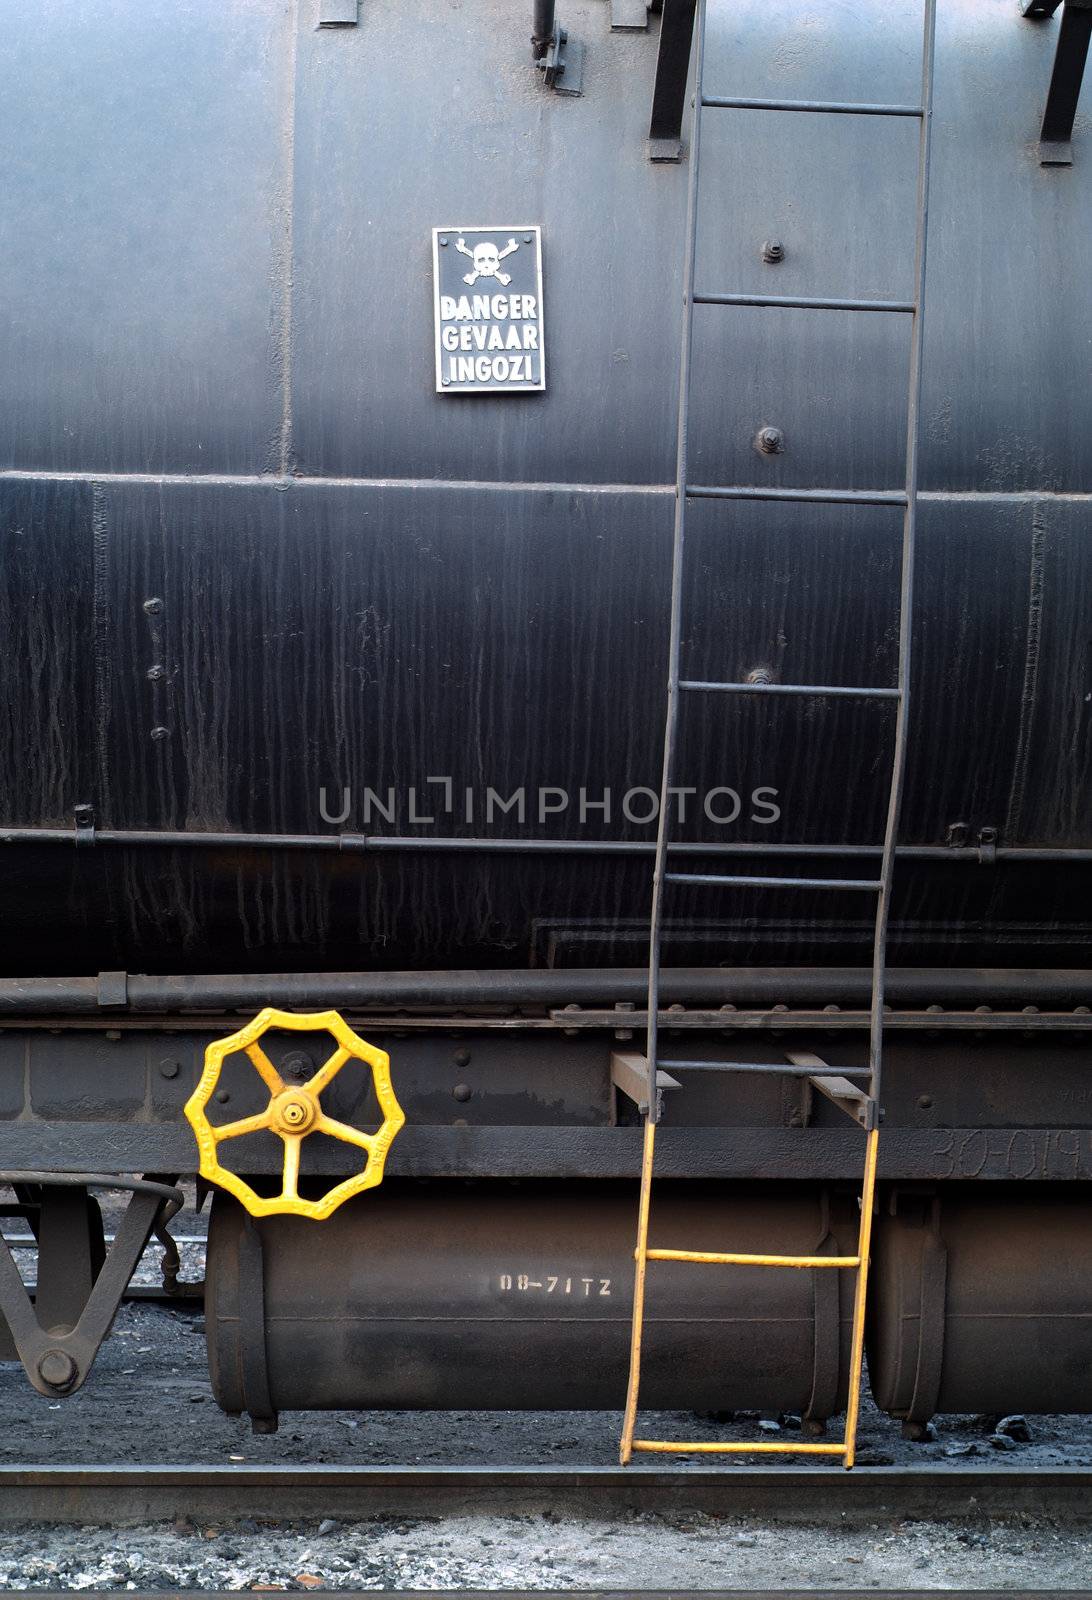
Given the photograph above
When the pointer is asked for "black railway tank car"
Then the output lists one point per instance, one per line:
(362, 369)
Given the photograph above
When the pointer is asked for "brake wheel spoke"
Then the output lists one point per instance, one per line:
(342, 1130)
(235, 1130)
(328, 1070)
(290, 1186)
(265, 1068)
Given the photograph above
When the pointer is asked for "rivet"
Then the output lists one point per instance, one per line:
(161, 733)
(461, 1091)
(168, 1068)
(771, 441)
(526, 238)
(223, 1095)
(925, 1101)
(158, 671)
(443, 241)
(760, 675)
(153, 606)
(462, 1056)
(773, 251)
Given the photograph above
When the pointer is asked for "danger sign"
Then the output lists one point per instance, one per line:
(488, 291)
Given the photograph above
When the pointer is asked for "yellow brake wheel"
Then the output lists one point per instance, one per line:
(294, 1112)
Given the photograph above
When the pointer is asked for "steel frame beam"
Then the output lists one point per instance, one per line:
(58, 1336)
(672, 71)
(1071, 53)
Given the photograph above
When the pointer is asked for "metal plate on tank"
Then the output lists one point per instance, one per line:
(488, 303)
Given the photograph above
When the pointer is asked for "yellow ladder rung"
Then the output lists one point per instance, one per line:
(719, 1259)
(662, 1447)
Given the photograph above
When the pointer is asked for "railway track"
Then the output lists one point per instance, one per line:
(139, 1493)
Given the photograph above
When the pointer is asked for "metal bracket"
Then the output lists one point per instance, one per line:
(629, 1075)
(338, 13)
(672, 71)
(113, 989)
(629, 16)
(57, 1357)
(562, 65)
(1071, 53)
(837, 1089)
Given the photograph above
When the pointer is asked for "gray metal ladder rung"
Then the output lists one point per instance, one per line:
(785, 1068)
(827, 497)
(800, 302)
(854, 108)
(716, 880)
(846, 691)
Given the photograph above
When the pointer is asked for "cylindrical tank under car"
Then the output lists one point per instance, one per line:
(507, 1298)
(981, 1303)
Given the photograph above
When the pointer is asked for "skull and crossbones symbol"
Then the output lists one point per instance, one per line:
(487, 259)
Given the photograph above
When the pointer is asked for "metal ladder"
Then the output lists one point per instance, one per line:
(833, 1082)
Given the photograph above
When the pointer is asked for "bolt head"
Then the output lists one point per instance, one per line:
(168, 1068)
(771, 441)
(294, 1111)
(297, 1066)
(773, 251)
(57, 1368)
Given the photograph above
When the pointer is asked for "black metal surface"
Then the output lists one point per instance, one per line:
(520, 1299)
(1058, 1153)
(982, 1308)
(242, 558)
(978, 1093)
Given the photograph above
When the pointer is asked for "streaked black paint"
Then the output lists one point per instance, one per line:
(219, 246)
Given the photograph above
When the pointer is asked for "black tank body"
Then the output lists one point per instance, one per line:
(253, 566)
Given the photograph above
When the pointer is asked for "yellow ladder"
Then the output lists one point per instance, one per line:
(844, 1447)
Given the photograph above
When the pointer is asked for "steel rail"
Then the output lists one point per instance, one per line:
(144, 1492)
